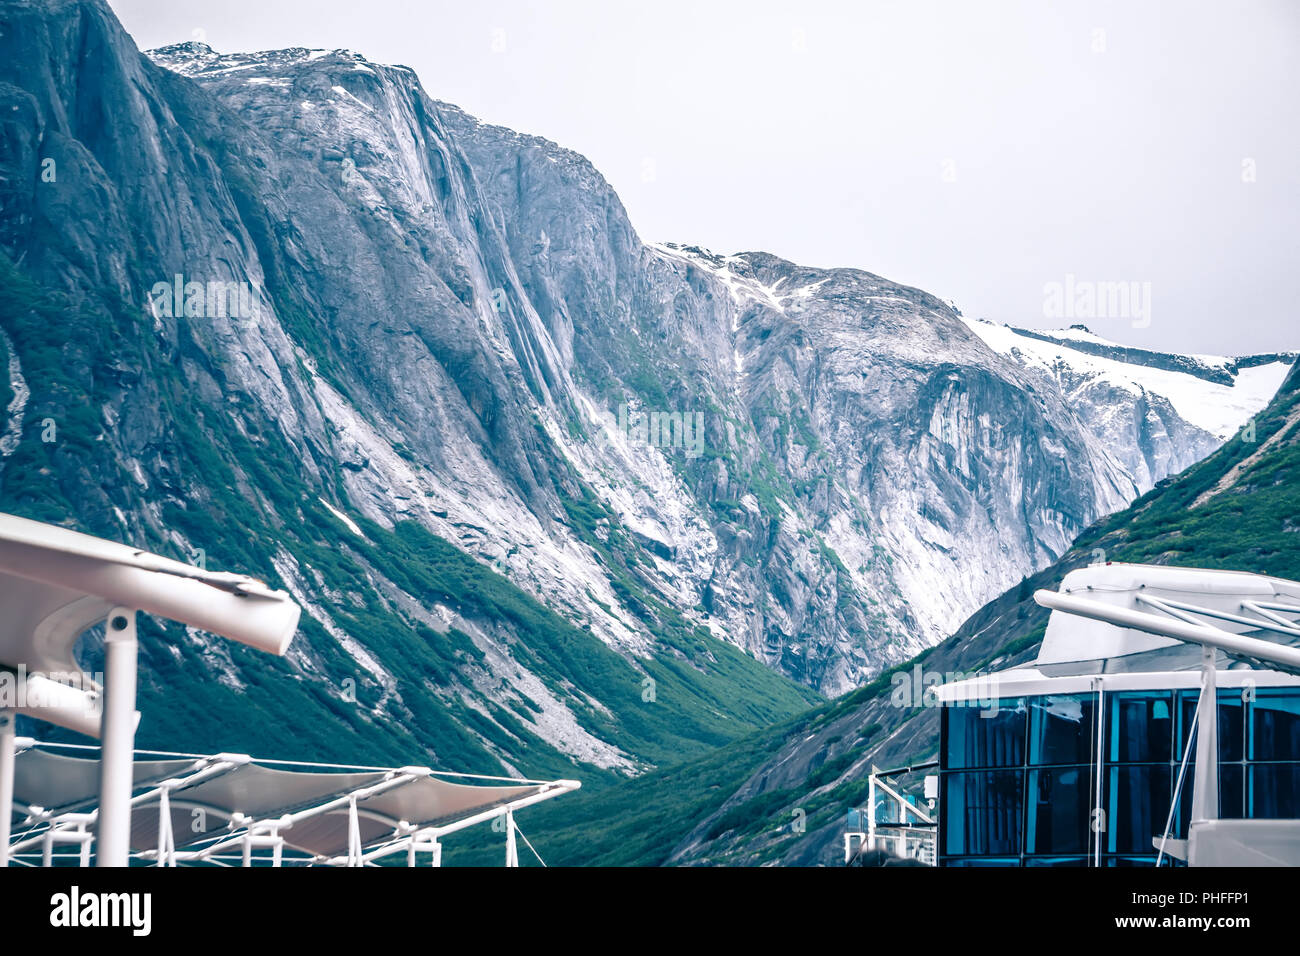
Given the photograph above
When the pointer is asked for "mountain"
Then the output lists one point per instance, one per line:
(551, 497)
(1237, 510)
(1156, 413)
(806, 457)
(347, 433)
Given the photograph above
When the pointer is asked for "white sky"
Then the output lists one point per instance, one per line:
(978, 150)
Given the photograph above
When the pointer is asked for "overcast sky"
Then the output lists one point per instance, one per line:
(980, 151)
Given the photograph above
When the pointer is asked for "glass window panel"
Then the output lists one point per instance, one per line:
(1232, 791)
(1061, 729)
(1140, 727)
(1059, 803)
(1275, 725)
(979, 737)
(1232, 724)
(1275, 791)
(1137, 806)
(1232, 780)
(982, 812)
(1179, 830)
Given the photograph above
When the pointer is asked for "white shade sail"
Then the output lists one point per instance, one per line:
(229, 795)
(54, 584)
(61, 784)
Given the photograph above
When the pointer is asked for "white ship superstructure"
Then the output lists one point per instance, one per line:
(1106, 750)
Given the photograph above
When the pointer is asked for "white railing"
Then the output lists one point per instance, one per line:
(908, 839)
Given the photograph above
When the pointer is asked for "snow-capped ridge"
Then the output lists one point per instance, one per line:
(1173, 408)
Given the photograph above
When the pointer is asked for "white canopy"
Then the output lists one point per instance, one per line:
(1238, 601)
(62, 784)
(190, 809)
(56, 583)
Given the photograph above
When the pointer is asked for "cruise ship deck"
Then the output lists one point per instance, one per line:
(1089, 755)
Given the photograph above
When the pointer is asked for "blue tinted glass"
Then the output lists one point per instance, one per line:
(1179, 829)
(1059, 803)
(1232, 725)
(1275, 791)
(1232, 791)
(1061, 729)
(980, 737)
(1140, 727)
(982, 812)
(1137, 806)
(1232, 780)
(1275, 725)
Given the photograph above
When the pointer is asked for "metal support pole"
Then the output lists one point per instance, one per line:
(1098, 823)
(6, 781)
(117, 739)
(1205, 792)
(871, 809)
(354, 833)
(166, 839)
(512, 851)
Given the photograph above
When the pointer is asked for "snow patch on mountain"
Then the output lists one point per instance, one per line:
(1212, 407)
(13, 431)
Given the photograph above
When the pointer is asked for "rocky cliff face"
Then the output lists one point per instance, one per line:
(353, 418)
(451, 333)
(1156, 413)
(852, 440)
(1235, 510)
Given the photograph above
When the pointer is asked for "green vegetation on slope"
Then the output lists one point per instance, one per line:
(238, 491)
(639, 822)
(632, 823)
(1253, 524)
